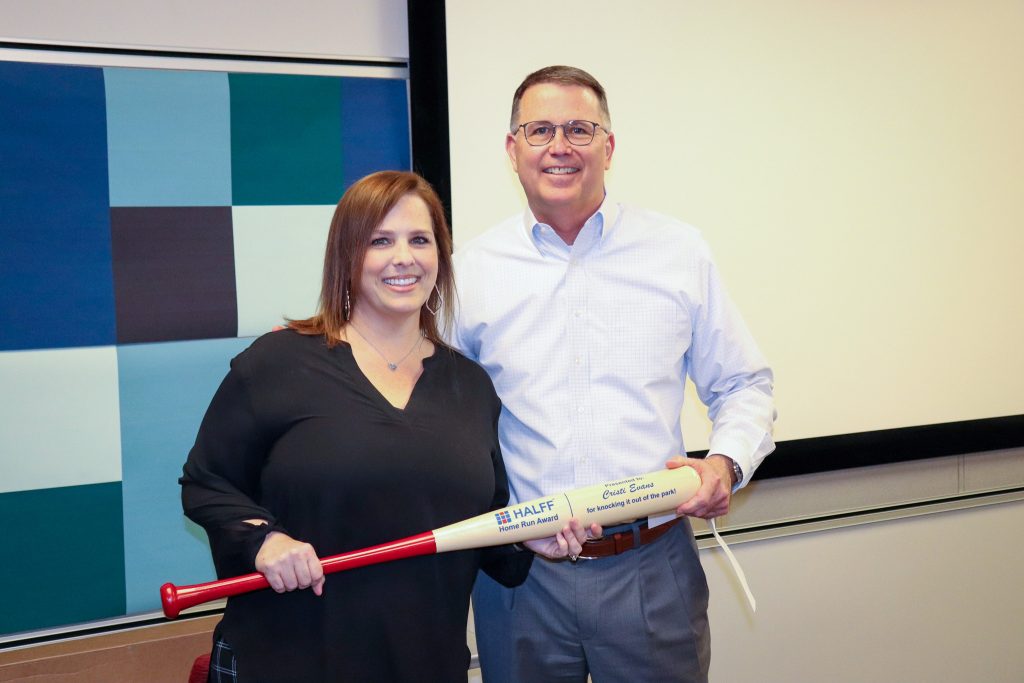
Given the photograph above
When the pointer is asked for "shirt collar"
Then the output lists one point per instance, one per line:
(548, 243)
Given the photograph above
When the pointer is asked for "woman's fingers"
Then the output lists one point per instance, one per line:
(288, 564)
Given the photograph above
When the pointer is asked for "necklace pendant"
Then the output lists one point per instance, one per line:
(392, 366)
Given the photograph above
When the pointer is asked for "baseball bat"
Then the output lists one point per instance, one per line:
(607, 504)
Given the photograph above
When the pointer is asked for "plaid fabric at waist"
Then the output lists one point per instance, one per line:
(223, 665)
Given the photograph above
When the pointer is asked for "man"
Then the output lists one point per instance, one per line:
(589, 315)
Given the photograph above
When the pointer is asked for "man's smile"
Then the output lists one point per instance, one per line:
(561, 170)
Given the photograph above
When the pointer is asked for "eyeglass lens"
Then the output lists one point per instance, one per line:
(576, 132)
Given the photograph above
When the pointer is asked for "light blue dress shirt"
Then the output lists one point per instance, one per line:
(589, 346)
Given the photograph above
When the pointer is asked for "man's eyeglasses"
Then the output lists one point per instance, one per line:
(579, 133)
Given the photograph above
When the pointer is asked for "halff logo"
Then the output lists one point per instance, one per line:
(503, 517)
(537, 508)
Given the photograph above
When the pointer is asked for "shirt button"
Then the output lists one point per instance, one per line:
(579, 361)
(581, 410)
(578, 313)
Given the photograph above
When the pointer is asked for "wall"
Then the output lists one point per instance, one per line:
(877, 573)
(154, 654)
(905, 600)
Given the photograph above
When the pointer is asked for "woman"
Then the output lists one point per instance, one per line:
(355, 427)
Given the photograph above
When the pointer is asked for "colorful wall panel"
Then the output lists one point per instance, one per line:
(151, 223)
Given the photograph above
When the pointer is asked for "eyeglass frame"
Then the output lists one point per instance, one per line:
(554, 132)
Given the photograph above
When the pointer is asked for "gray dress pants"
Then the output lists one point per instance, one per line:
(638, 616)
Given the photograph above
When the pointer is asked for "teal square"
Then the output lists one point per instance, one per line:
(62, 556)
(286, 143)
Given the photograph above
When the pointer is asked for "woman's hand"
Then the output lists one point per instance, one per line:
(566, 543)
(288, 564)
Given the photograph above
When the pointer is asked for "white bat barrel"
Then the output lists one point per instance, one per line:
(607, 504)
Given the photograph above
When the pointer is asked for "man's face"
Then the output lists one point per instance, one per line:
(561, 179)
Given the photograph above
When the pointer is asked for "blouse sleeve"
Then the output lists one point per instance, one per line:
(221, 477)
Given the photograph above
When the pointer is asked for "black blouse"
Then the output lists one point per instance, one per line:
(297, 435)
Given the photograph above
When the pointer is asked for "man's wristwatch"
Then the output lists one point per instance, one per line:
(737, 474)
(735, 470)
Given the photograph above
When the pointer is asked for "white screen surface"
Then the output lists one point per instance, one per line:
(858, 170)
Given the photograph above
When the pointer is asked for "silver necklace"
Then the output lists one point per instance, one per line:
(391, 366)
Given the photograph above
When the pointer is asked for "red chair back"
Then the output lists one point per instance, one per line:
(200, 669)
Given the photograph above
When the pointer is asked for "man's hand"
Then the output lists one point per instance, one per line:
(715, 493)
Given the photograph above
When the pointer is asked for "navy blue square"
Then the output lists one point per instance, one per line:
(374, 126)
(56, 288)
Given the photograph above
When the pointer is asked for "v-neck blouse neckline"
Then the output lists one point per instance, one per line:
(376, 393)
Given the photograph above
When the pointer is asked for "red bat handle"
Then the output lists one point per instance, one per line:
(177, 598)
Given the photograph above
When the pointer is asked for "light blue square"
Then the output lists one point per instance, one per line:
(165, 390)
(168, 137)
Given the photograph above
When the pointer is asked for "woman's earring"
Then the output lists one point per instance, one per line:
(433, 311)
(347, 310)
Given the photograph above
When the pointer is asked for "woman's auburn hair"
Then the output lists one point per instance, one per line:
(360, 211)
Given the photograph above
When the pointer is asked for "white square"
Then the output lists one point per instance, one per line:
(279, 258)
(61, 417)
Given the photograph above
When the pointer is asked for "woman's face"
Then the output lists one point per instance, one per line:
(400, 265)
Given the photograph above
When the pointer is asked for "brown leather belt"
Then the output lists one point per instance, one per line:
(622, 541)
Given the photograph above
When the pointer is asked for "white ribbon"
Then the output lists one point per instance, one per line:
(736, 568)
